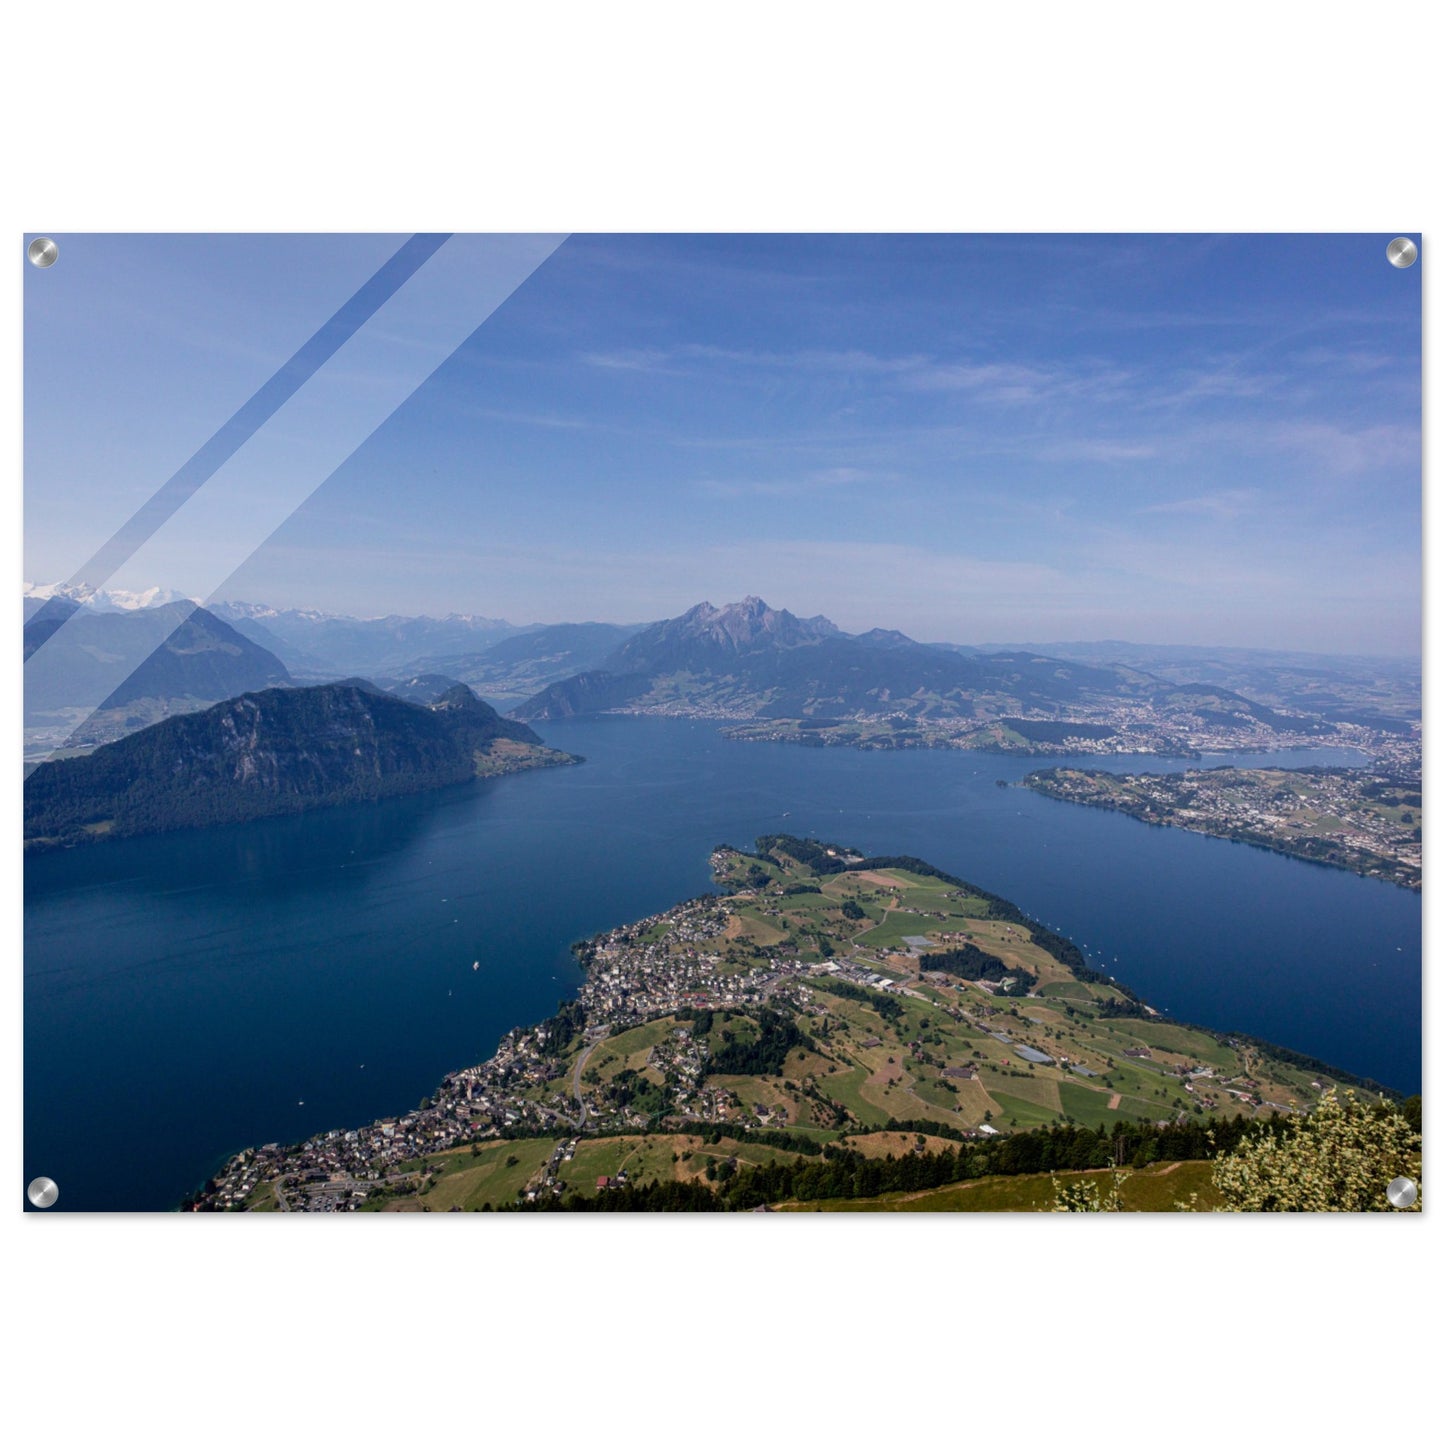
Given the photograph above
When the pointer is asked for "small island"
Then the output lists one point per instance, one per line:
(824, 1027)
(1366, 821)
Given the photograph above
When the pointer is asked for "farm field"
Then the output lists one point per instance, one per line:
(841, 1024)
(500, 1172)
(1158, 1188)
(884, 1034)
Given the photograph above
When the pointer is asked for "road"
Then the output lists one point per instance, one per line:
(577, 1079)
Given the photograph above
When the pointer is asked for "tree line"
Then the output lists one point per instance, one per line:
(765, 1053)
(883, 1004)
(970, 962)
(843, 1173)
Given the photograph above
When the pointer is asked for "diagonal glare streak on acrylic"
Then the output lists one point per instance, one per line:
(258, 410)
(299, 443)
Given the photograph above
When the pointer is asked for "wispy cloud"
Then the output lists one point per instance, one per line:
(1357, 362)
(692, 358)
(1347, 450)
(1231, 381)
(1084, 449)
(1001, 382)
(1004, 382)
(826, 479)
(1225, 506)
(636, 359)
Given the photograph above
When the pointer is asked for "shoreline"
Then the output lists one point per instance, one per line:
(1107, 791)
(634, 975)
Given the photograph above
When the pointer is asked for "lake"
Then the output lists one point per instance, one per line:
(190, 994)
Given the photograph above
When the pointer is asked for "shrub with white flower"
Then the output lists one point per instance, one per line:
(1337, 1159)
(1083, 1197)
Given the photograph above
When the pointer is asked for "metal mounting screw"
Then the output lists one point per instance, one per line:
(42, 251)
(1402, 1192)
(1401, 252)
(43, 1192)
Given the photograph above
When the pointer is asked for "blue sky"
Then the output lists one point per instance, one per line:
(1166, 439)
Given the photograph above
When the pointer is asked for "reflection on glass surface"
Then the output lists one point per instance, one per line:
(404, 609)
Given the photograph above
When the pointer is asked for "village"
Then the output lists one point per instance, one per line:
(1110, 727)
(651, 969)
(1367, 820)
(636, 973)
(867, 986)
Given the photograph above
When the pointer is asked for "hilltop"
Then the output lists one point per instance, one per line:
(825, 1026)
(748, 659)
(282, 750)
(780, 678)
(132, 667)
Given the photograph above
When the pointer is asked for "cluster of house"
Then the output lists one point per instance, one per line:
(1398, 754)
(548, 1182)
(651, 968)
(1336, 808)
(1139, 726)
(1136, 726)
(338, 1169)
(681, 1059)
(633, 974)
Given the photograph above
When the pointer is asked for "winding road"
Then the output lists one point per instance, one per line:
(577, 1079)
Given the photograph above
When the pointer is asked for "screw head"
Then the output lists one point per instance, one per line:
(1402, 1192)
(1401, 252)
(43, 1192)
(42, 252)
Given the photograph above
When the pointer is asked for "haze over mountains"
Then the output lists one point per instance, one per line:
(312, 642)
(125, 668)
(514, 669)
(748, 660)
(745, 660)
(1373, 691)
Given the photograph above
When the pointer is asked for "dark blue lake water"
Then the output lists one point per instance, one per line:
(191, 994)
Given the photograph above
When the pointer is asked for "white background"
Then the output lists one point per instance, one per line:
(585, 117)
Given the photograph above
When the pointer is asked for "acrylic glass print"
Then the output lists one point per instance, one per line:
(722, 723)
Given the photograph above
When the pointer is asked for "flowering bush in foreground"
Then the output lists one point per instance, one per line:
(1337, 1159)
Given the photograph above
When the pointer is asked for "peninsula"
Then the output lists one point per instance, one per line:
(1368, 821)
(819, 1019)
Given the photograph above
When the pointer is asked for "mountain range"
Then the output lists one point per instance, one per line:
(745, 660)
(97, 599)
(135, 665)
(519, 666)
(323, 644)
(1383, 693)
(748, 660)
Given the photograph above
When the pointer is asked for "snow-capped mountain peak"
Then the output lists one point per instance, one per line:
(105, 599)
